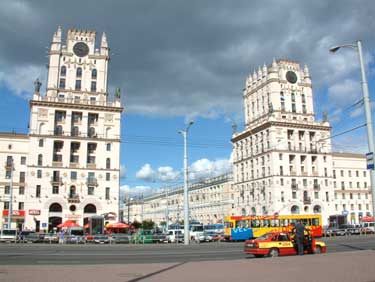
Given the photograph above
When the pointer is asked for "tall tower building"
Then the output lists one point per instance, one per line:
(282, 159)
(74, 150)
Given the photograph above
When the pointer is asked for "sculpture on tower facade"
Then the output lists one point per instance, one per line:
(37, 85)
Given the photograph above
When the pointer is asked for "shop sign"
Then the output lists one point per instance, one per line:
(73, 216)
(19, 213)
(34, 212)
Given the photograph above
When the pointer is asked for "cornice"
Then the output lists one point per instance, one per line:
(76, 106)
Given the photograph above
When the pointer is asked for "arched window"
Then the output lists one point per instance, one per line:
(91, 132)
(294, 209)
(93, 74)
(63, 71)
(40, 159)
(58, 130)
(90, 208)
(108, 163)
(243, 212)
(317, 209)
(55, 207)
(79, 72)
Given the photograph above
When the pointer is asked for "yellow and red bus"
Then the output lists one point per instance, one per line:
(238, 228)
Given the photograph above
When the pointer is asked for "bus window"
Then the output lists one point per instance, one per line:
(228, 224)
(284, 222)
(266, 223)
(255, 223)
(315, 222)
(305, 221)
(274, 223)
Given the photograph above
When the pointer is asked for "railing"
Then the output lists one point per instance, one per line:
(56, 180)
(307, 201)
(73, 198)
(92, 181)
(77, 101)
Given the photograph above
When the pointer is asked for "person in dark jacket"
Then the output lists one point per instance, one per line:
(299, 231)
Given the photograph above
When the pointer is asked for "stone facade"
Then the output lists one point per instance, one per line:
(73, 154)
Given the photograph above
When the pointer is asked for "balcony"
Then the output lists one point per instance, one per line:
(8, 165)
(294, 186)
(307, 201)
(56, 180)
(91, 165)
(73, 198)
(293, 172)
(91, 181)
(316, 187)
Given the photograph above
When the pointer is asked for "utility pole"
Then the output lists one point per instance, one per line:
(142, 208)
(186, 192)
(166, 208)
(128, 204)
(10, 210)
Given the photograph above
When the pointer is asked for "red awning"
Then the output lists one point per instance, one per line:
(118, 225)
(367, 219)
(68, 223)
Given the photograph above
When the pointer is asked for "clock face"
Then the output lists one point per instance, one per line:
(81, 49)
(291, 77)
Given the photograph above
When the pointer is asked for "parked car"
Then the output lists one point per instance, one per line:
(75, 239)
(8, 235)
(175, 236)
(33, 237)
(275, 244)
(50, 238)
(120, 239)
(101, 239)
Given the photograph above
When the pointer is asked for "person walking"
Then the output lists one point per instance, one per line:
(61, 237)
(299, 231)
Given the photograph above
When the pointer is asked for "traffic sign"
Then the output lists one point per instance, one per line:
(370, 160)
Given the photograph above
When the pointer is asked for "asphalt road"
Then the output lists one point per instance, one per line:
(45, 254)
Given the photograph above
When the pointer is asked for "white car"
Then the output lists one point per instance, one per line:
(8, 235)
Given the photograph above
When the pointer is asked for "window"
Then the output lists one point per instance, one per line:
(282, 181)
(342, 185)
(37, 192)
(357, 173)
(92, 100)
(351, 196)
(6, 205)
(62, 83)
(90, 190)
(63, 71)
(327, 196)
(55, 189)
(41, 142)
(108, 163)
(282, 196)
(21, 206)
(316, 195)
(73, 175)
(107, 176)
(79, 72)
(39, 173)
(8, 174)
(22, 177)
(7, 190)
(107, 189)
(108, 146)
(94, 74)
(341, 173)
(93, 86)
(305, 182)
(364, 174)
(40, 159)
(23, 160)
(78, 85)
(294, 195)
(350, 173)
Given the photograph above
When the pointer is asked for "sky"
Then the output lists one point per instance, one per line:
(179, 61)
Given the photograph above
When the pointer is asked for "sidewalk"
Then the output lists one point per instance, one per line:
(344, 266)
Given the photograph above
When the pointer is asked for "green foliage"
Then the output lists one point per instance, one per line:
(137, 224)
(148, 224)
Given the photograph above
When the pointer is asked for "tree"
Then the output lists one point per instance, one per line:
(137, 224)
(148, 224)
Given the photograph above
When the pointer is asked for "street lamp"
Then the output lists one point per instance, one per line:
(186, 194)
(366, 101)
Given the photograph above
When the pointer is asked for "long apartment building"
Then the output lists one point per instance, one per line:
(70, 159)
(209, 201)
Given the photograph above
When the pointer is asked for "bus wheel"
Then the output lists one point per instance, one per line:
(273, 253)
(318, 250)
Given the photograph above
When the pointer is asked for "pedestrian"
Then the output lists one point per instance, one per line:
(299, 231)
(61, 237)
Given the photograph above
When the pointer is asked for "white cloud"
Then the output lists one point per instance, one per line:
(123, 171)
(344, 92)
(205, 168)
(146, 173)
(20, 79)
(167, 173)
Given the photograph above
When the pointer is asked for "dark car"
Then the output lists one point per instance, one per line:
(101, 239)
(32, 237)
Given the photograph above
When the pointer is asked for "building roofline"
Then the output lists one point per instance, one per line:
(348, 155)
(13, 135)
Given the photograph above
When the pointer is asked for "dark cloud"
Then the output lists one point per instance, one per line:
(191, 57)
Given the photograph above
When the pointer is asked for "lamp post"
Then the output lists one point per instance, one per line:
(10, 165)
(186, 194)
(366, 101)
